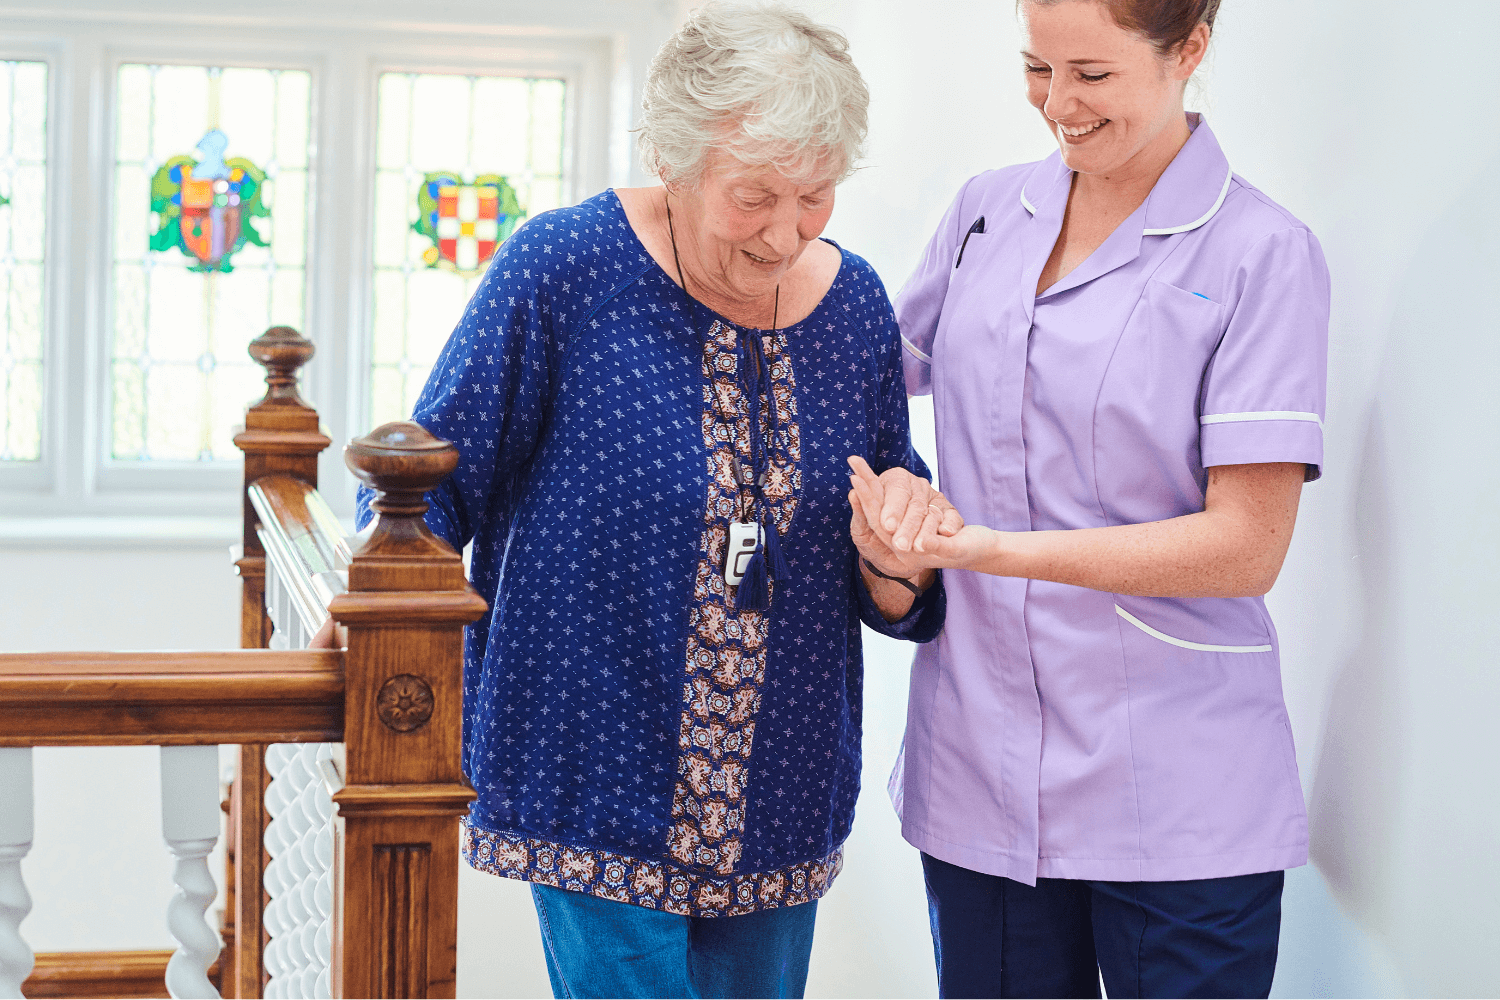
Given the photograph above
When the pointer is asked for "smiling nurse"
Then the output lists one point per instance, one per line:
(1127, 346)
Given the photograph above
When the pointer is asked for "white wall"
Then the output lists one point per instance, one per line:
(1371, 120)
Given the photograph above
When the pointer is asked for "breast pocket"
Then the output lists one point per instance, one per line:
(1180, 330)
(1148, 453)
(979, 310)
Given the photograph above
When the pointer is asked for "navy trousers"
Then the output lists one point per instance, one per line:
(995, 937)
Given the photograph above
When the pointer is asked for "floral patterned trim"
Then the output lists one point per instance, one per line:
(726, 648)
(659, 885)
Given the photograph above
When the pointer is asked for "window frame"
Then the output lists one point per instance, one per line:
(35, 475)
(600, 49)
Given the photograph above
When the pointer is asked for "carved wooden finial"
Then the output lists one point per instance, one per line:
(281, 351)
(401, 461)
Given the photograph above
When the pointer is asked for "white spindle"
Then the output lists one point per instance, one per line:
(190, 824)
(16, 958)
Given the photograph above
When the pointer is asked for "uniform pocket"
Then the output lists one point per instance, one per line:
(1210, 745)
(1203, 647)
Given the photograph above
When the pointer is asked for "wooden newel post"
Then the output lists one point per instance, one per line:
(281, 434)
(396, 917)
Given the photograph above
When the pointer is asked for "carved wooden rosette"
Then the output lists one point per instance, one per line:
(397, 849)
(281, 434)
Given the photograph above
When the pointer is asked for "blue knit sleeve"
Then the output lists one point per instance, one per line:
(892, 448)
(491, 387)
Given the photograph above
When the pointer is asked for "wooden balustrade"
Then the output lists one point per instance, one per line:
(393, 697)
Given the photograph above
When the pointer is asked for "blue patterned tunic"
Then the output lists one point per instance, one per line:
(630, 733)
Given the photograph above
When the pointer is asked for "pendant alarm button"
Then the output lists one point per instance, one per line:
(743, 539)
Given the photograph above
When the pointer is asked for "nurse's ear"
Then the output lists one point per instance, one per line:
(1184, 60)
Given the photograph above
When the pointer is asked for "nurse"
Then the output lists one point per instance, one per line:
(1126, 344)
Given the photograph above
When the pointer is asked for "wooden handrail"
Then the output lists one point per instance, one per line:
(167, 699)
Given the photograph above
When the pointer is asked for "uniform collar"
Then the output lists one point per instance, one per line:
(1189, 193)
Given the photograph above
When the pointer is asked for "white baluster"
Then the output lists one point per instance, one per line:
(190, 825)
(16, 830)
(299, 877)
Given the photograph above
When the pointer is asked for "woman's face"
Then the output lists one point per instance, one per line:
(1104, 91)
(749, 225)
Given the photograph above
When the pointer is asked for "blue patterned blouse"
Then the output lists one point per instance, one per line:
(630, 733)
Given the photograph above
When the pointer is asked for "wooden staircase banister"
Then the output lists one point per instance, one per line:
(171, 698)
(352, 889)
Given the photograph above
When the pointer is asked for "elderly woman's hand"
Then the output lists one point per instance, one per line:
(895, 515)
(943, 540)
(908, 505)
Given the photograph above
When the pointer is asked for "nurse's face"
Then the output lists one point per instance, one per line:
(1105, 92)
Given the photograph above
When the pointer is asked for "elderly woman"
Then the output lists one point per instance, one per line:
(655, 393)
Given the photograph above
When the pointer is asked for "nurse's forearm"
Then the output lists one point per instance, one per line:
(1234, 548)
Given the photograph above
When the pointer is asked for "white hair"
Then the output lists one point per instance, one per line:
(761, 81)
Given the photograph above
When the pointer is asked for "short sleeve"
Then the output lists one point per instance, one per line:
(1265, 389)
(919, 305)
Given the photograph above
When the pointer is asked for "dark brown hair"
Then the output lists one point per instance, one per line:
(1167, 23)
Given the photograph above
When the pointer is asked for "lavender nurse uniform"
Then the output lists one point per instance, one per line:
(1061, 732)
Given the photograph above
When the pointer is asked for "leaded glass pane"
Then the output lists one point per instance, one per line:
(23, 238)
(460, 162)
(210, 248)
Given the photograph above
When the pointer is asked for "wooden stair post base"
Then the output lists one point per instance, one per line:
(396, 852)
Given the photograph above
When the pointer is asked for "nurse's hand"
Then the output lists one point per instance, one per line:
(909, 512)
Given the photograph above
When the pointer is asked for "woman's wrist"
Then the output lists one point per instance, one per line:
(916, 584)
(998, 552)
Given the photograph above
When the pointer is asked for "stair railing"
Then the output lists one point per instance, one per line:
(343, 816)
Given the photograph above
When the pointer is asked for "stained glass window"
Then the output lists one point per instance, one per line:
(210, 247)
(460, 161)
(23, 205)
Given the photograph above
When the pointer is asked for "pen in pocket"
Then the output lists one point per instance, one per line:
(977, 227)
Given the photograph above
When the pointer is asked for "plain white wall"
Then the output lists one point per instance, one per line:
(1367, 118)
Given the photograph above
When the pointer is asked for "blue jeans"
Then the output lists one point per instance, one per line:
(599, 948)
(993, 937)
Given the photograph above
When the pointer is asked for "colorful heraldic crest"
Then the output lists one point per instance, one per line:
(465, 221)
(207, 206)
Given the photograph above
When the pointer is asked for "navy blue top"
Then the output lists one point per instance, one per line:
(629, 733)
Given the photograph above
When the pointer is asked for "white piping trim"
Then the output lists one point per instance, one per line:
(913, 348)
(1194, 225)
(1203, 647)
(1235, 418)
(1026, 204)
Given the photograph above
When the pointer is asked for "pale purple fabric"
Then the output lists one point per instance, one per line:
(1048, 733)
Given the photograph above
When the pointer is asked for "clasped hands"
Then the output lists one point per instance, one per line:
(904, 526)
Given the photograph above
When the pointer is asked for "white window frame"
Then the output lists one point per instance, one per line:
(75, 492)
